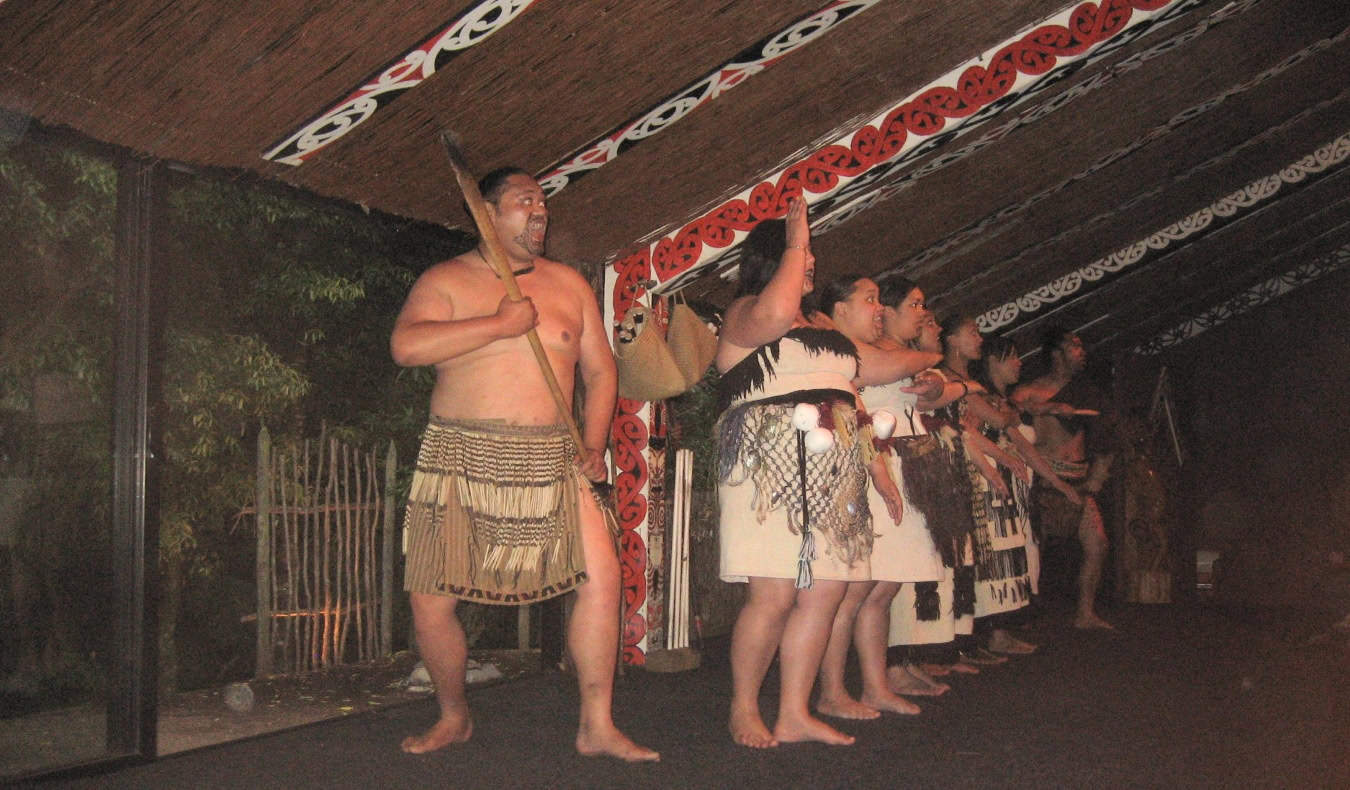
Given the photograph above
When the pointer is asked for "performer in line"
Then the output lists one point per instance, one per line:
(794, 521)
(1076, 434)
(939, 414)
(921, 624)
(500, 510)
(997, 371)
(901, 547)
(1002, 584)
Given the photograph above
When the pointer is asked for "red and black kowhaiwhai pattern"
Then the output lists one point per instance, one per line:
(1033, 54)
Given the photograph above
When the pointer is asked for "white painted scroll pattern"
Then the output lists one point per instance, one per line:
(473, 27)
(1248, 300)
(1324, 158)
(727, 76)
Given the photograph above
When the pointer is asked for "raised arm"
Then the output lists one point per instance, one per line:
(1042, 467)
(752, 321)
(427, 333)
(889, 361)
(978, 451)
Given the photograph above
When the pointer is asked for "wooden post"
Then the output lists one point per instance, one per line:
(387, 563)
(263, 564)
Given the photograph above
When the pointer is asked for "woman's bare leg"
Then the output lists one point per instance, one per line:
(834, 699)
(803, 644)
(754, 641)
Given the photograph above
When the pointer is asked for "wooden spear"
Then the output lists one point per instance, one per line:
(496, 258)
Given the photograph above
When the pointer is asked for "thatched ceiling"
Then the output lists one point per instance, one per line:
(1109, 179)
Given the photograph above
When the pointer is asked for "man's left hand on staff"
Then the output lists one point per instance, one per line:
(592, 463)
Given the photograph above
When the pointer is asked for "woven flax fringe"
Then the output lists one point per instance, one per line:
(507, 507)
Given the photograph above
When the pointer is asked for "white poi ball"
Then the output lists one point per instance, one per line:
(819, 440)
(883, 424)
(805, 417)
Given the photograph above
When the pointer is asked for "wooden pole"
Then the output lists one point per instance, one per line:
(387, 558)
(263, 562)
(496, 258)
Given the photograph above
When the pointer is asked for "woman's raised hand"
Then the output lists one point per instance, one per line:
(798, 231)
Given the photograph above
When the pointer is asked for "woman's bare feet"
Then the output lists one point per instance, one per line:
(452, 729)
(937, 685)
(964, 668)
(609, 742)
(845, 707)
(1000, 641)
(936, 670)
(1092, 621)
(888, 701)
(808, 728)
(910, 680)
(748, 729)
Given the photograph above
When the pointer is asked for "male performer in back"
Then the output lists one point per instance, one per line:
(1074, 433)
(499, 511)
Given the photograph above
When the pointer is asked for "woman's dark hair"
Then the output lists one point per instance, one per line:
(836, 289)
(762, 251)
(994, 348)
(895, 289)
(949, 324)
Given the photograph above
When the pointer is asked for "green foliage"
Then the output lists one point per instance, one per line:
(278, 311)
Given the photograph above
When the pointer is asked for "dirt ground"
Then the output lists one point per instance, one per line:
(194, 719)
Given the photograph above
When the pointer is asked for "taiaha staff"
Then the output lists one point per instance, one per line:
(496, 258)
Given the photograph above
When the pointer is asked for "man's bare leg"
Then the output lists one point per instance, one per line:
(834, 699)
(754, 641)
(870, 630)
(593, 641)
(804, 637)
(1092, 536)
(444, 651)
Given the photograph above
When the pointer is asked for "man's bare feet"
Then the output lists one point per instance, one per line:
(1092, 621)
(748, 729)
(455, 729)
(845, 707)
(911, 680)
(1003, 642)
(609, 742)
(793, 730)
(936, 670)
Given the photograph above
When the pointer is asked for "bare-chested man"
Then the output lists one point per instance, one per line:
(495, 441)
(1072, 433)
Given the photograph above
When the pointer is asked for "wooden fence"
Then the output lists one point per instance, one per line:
(325, 555)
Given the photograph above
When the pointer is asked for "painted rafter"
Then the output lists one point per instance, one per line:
(1248, 300)
(747, 63)
(474, 25)
(976, 90)
(896, 184)
(891, 179)
(999, 220)
(1226, 209)
(992, 228)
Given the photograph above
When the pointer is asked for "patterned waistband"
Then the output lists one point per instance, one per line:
(499, 428)
(1069, 470)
